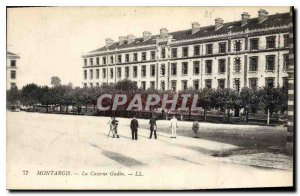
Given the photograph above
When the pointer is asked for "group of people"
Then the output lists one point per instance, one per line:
(134, 125)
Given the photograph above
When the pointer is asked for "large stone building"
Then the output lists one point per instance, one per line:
(252, 52)
(11, 70)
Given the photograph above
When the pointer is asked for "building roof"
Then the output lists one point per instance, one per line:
(275, 20)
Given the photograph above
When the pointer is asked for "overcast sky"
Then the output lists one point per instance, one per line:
(51, 41)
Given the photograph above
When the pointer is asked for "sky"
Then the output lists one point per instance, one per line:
(51, 41)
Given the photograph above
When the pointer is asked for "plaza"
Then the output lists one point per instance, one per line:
(79, 146)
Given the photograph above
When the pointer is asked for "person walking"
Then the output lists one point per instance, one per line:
(195, 128)
(115, 124)
(134, 125)
(173, 127)
(153, 127)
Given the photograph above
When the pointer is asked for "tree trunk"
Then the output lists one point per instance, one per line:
(268, 119)
(228, 115)
(205, 115)
(47, 108)
(67, 109)
(60, 109)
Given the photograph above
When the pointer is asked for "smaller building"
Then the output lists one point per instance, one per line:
(11, 70)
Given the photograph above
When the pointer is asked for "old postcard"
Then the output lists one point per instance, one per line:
(150, 98)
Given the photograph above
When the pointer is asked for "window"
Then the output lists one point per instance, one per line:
(286, 40)
(127, 58)
(104, 73)
(162, 85)
(253, 63)
(91, 61)
(91, 74)
(152, 70)
(97, 73)
(111, 72)
(208, 83)
(173, 85)
(196, 84)
(253, 83)
(126, 72)
(85, 62)
(163, 53)
(119, 58)
(184, 85)
(143, 85)
(111, 59)
(184, 68)
(254, 44)
(152, 55)
(174, 52)
(208, 66)
(13, 85)
(221, 83)
(143, 70)
(237, 45)
(152, 84)
(222, 66)
(209, 48)
(196, 68)
(119, 72)
(270, 42)
(185, 52)
(97, 61)
(222, 47)
(135, 69)
(162, 70)
(196, 50)
(104, 60)
(270, 63)
(97, 84)
(237, 84)
(85, 74)
(237, 65)
(285, 62)
(144, 56)
(173, 69)
(270, 82)
(135, 57)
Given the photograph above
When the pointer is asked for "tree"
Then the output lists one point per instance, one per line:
(13, 96)
(55, 81)
(270, 100)
(47, 97)
(249, 100)
(205, 100)
(31, 95)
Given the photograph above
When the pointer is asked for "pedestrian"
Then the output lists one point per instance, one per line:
(115, 124)
(153, 127)
(173, 127)
(134, 125)
(195, 128)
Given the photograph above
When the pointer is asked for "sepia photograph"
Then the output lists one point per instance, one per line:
(150, 98)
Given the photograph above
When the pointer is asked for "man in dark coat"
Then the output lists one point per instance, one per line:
(153, 127)
(134, 125)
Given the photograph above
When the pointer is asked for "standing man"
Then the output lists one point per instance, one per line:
(134, 125)
(115, 124)
(195, 128)
(153, 127)
(173, 126)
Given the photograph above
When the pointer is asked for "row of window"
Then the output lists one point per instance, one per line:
(252, 83)
(253, 67)
(237, 46)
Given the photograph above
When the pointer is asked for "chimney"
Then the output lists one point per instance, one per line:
(218, 23)
(163, 32)
(146, 35)
(108, 42)
(245, 18)
(195, 27)
(262, 15)
(130, 38)
(122, 40)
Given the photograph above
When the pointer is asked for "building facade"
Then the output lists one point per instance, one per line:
(11, 70)
(252, 52)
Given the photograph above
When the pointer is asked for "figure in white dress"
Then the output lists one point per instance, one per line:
(173, 127)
